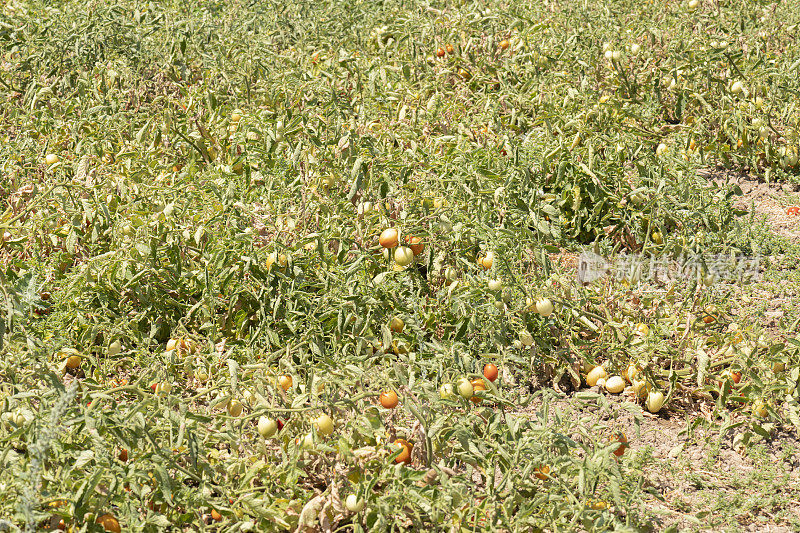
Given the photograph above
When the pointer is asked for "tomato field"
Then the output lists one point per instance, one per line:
(322, 266)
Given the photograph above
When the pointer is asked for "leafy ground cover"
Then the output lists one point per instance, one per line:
(313, 266)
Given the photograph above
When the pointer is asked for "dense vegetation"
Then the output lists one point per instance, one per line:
(193, 195)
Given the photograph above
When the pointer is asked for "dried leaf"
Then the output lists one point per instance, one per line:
(309, 516)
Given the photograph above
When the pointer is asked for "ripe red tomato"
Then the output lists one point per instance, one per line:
(490, 372)
(794, 210)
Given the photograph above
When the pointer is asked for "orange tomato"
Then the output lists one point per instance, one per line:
(450, 49)
(416, 244)
(504, 44)
(477, 384)
(215, 515)
(389, 399)
(390, 238)
(597, 505)
(542, 472)
(490, 372)
(405, 454)
(440, 52)
(109, 523)
(623, 440)
(486, 261)
(285, 381)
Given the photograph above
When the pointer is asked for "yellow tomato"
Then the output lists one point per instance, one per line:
(486, 261)
(235, 408)
(465, 388)
(596, 374)
(324, 425)
(396, 324)
(654, 402)
(403, 256)
(615, 384)
(267, 427)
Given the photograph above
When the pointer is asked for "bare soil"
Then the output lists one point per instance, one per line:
(767, 200)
